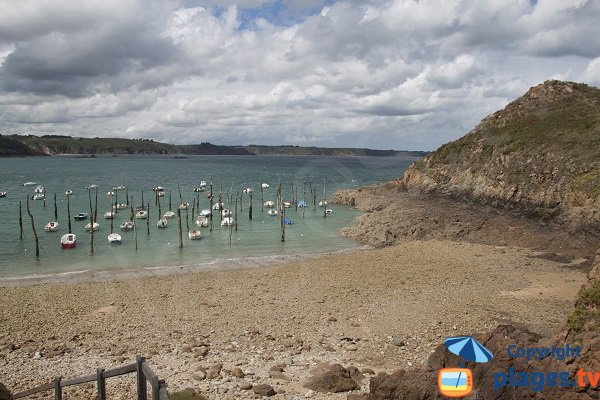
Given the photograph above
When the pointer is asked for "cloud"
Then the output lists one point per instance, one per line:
(376, 73)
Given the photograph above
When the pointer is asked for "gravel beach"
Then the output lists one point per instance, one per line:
(222, 332)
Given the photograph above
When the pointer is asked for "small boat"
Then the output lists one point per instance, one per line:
(202, 221)
(68, 192)
(322, 203)
(51, 226)
(114, 238)
(264, 185)
(162, 223)
(287, 204)
(199, 189)
(110, 194)
(329, 211)
(272, 212)
(38, 196)
(227, 221)
(158, 189)
(302, 204)
(127, 226)
(247, 190)
(2, 194)
(205, 213)
(119, 188)
(202, 183)
(195, 234)
(89, 225)
(94, 186)
(143, 214)
(269, 204)
(109, 215)
(68, 241)
(288, 221)
(169, 214)
(119, 206)
(81, 216)
(30, 184)
(217, 206)
(184, 206)
(160, 194)
(38, 189)
(225, 213)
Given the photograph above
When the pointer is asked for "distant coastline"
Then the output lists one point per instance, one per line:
(30, 145)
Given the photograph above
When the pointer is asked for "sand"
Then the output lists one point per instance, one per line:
(379, 309)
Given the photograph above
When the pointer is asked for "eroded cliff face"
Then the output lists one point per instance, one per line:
(541, 153)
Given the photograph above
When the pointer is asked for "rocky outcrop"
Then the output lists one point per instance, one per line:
(541, 154)
(336, 379)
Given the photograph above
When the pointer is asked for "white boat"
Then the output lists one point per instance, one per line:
(162, 223)
(205, 213)
(68, 192)
(160, 194)
(329, 211)
(217, 206)
(127, 226)
(264, 185)
(51, 226)
(287, 204)
(94, 186)
(272, 212)
(247, 190)
(169, 214)
(38, 189)
(227, 221)
(30, 184)
(96, 226)
(225, 213)
(38, 196)
(199, 189)
(68, 241)
(269, 204)
(202, 221)
(114, 238)
(321, 203)
(81, 216)
(158, 189)
(109, 215)
(202, 183)
(184, 206)
(142, 214)
(119, 206)
(110, 194)
(2, 194)
(119, 188)
(194, 234)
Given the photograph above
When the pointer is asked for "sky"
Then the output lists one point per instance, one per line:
(384, 74)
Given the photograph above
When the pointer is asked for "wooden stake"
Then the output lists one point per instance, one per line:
(235, 212)
(159, 210)
(20, 221)
(134, 226)
(127, 195)
(96, 207)
(69, 212)
(142, 197)
(179, 225)
(170, 205)
(55, 209)
(324, 196)
(37, 244)
(211, 206)
(91, 223)
(250, 208)
(262, 196)
(187, 219)
(148, 221)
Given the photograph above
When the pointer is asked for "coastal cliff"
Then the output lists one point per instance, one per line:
(541, 153)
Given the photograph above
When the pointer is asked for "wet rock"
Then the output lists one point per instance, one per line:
(336, 379)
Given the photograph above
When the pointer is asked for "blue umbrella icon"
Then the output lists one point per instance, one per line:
(468, 349)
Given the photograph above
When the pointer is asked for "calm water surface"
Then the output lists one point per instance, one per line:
(257, 238)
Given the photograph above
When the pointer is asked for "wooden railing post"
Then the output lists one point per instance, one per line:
(142, 388)
(162, 389)
(57, 389)
(101, 383)
(155, 389)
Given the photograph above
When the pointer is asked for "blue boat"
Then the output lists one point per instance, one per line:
(302, 203)
(288, 221)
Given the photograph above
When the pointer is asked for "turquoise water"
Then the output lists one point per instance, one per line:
(257, 238)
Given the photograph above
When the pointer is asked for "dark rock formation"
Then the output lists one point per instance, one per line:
(336, 379)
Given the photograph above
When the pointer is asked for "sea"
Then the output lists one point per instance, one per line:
(254, 242)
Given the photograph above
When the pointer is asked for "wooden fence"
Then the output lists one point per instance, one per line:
(143, 371)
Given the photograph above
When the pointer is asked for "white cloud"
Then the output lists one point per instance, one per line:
(379, 73)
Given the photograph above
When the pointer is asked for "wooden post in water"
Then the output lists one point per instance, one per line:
(132, 213)
(250, 207)
(262, 197)
(44, 199)
(69, 212)
(96, 207)
(324, 196)
(20, 221)
(303, 196)
(134, 226)
(142, 197)
(180, 198)
(187, 219)
(127, 195)
(55, 209)
(148, 221)
(235, 212)
(211, 206)
(37, 244)
(91, 223)
(296, 197)
(221, 202)
(314, 190)
(170, 200)
(179, 225)
(116, 200)
(193, 208)
(159, 210)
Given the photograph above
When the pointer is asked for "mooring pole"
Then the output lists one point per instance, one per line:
(37, 244)
(69, 212)
(20, 221)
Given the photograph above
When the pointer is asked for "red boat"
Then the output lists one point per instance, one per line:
(68, 241)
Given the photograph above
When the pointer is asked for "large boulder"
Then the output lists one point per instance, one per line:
(336, 379)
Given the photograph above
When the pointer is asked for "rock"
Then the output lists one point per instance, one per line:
(5, 393)
(199, 375)
(336, 379)
(214, 371)
(37, 355)
(237, 372)
(264, 390)
(351, 347)
(279, 375)
(245, 385)
(201, 351)
(398, 343)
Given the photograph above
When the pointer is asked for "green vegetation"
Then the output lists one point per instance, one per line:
(587, 309)
(60, 144)
(187, 394)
